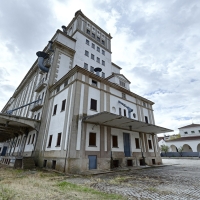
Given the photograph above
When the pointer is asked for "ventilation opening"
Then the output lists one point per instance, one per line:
(115, 163)
(45, 163)
(153, 161)
(142, 162)
(53, 164)
(129, 163)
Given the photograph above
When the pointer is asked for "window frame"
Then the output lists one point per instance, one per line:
(92, 56)
(137, 143)
(98, 49)
(150, 144)
(92, 141)
(86, 66)
(55, 109)
(86, 53)
(63, 105)
(103, 62)
(58, 142)
(115, 142)
(93, 103)
(50, 141)
(98, 60)
(87, 42)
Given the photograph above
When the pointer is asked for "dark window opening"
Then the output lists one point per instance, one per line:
(150, 145)
(92, 69)
(88, 31)
(120, 111)
(142, 162)
(53, 164)
(103, 75)
(115, 163)
(125, 112)
(33, 139)
(93, 35)
(146, 119)
(129, 163)
(63, 105)
(50, 140)
(134, 115)
(93, 105)
(45, 163)
(137, 144)
(65, 83)
(57, 89)
(98, 49)
(38, 116)
(123, 95)
(114, 141)
(92, 139)
(55, 109)
(86, 53)
(94, 83)
(29, 139)
(92, 56)
(103, 42)
(87, 42)
(153, 161)
(85, 66)
(58, 140)
(93, 45)
(98, 39)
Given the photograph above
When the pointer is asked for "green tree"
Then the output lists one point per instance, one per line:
(164, 148)
(180, 150)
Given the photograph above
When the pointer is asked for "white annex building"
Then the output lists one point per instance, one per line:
(74, 110)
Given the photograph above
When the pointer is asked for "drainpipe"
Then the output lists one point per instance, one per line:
(129, 109)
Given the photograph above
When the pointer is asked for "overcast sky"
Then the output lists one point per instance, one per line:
(156, 42)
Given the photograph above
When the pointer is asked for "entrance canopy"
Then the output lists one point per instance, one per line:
(117, 121)
(12, 126)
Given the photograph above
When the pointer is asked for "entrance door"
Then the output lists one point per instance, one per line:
(127, 151)
(3, 153)
(92, 162)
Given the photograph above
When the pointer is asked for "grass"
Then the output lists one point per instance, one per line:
(119, 180)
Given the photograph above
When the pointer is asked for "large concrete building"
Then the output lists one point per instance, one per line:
(84, 115)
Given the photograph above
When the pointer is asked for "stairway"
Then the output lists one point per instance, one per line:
(28, 163)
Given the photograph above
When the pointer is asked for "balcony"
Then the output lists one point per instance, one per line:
(36, 106)
(41, 85)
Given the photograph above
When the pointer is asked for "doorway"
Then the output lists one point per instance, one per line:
(127, 151)
(92, 162)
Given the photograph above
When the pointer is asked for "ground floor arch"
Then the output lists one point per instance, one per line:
(187, 148)
(173, 148)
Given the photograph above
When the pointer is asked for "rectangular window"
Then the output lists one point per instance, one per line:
(192, 131)
(137, 144)
(144, 104)
(86, 66)
(65, 83)
(122, 83)
(186, 132)
(150, 145)
(54, 109)
(103, 52)
(33, 138)
(86, 53)
(98, 39)
(146, 119)
(92, 56)
(114, 141)
(58, 140)
(125, 112)
(57, 89)
(98, 60)
(92, 139)
(98, 49)
(103, 62)
(93, 45)
(88, 31)
(199, 131)
(63, 105)
(120, 111)
(50, 140)
(93, 104)
(123, 95)
(38, 116)
(94, 83)
(29, 139)
(103, 42)
(92, 69)
(87, 42)
(93, 35)
(103, 75)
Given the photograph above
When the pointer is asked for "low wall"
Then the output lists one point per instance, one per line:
(183, 154)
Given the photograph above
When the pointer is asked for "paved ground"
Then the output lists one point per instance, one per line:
(178, 180)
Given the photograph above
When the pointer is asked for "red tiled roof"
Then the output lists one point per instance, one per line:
(189, 126)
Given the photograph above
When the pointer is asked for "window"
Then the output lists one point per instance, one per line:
(103, 75)
(35, 117)
(134, 115)
(93, 45)
(85, 66)
(125, 112)
(57, 89)
(103, 52)
(55, 109)
(186, 132)
(93, 35)
(150, 145)
(86, 53)
(38, 116)
(58, 140)
(33, 139)
(92, 69)
(103, 62)
(98, 49)
(93, 104)
(29, 139)
(94, 83)
(192, 131)
(199, 131)
(123, 95)
(146, 119)
(63, 105)
(65, 83)
(120, 111)
(92, 139)
(122, 83)
(92, 56)
(50, 140)
(137, 144)
(103, 42)
(98, 39)
(114, 141)
(88, 31)
(98, 60)
(87, 42)
(144, 104)
(18, 143)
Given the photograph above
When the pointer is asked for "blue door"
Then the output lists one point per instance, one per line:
(92, 162)
(127, 151)
(3, 153)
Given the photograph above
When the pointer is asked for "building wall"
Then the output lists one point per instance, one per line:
(189, 131)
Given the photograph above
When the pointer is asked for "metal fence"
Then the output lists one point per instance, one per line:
(180, 154)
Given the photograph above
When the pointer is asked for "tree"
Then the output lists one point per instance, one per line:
(180, 150)
(164, 148)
